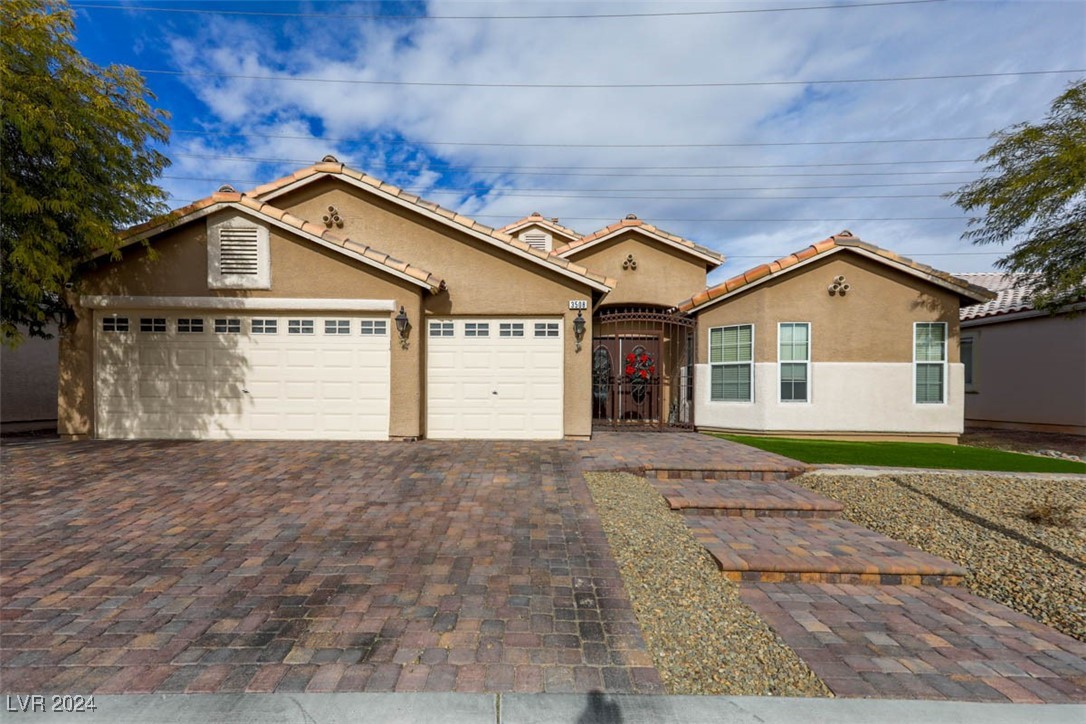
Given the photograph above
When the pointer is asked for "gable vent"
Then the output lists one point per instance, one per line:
(239, 251)
(538, 241)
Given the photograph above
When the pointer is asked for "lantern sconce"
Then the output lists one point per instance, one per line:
(579, 325)
(839, 286)
(403, 324)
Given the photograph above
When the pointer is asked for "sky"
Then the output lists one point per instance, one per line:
(727, 137)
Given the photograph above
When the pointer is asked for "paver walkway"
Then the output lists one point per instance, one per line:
(746, 499)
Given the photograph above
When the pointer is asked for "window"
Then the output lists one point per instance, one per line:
(929, 358)
(238, 254)
(190, 326)
(299, 326)
(511, 329)
(152, 324)
(265, 326)
(228, 326)
(115, 324)
(731, 357)
(968, 355)
(441, 329)
(337, 326)
(477, 329)
(794, 358)
(546, 329)
(374, 327)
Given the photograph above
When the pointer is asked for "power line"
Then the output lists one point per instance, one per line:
(490, 144)
(581, 16)
(596, 86)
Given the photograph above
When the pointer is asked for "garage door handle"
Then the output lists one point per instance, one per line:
(245, 390)
(494, 392)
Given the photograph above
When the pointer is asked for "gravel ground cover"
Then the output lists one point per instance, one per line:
(977, 520)
(703, 639)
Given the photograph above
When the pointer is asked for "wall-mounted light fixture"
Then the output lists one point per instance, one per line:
(579, 325)
(402, 325)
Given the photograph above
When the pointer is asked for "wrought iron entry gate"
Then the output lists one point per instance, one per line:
(643, 369)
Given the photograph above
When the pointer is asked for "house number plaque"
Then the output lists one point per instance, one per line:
(578, 304)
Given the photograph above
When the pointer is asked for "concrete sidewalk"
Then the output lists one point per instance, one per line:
(529, 709)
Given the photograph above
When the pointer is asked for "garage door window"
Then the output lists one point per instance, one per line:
(152, 324)
(300, 326)
(190, 326)
(115, 324)
(375, 327)
(477, 329)
(441, 329)
(546, 329)
(511, 329)
(228, 326)
(337, 326)
(265, 326)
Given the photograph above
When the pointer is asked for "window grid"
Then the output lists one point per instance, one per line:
(441, 329)
(511, 329)
(794, 359)
(228, 326)
(337, 326)
(929, 358)
(374, 327)
(476, 329)
(265, 326)
(115, 324)
(546, 329)
(300, 326)
(190, 326)
(152, 324)
(731, 368)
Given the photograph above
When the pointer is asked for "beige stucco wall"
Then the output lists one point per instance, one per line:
(28, 387)
(664, 276)
(861, 372)
(178, 267)
(1029, 372)
(482, 280)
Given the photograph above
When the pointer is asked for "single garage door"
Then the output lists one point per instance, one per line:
(260, 376)
(494, 378)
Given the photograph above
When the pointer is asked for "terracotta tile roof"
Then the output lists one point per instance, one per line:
(632, 222)
(1012, 294)
(843, 240)
(537, 218)
(261, 208)
(335, 168)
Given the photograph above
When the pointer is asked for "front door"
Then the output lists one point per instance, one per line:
(626, 378)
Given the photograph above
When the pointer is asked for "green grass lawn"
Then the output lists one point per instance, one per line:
(908, 455)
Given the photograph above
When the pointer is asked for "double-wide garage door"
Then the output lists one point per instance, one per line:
(260, 376)
(494, 378)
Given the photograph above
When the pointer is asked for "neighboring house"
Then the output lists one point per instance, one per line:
(28, 385)
(286, 312)
(1024, 369)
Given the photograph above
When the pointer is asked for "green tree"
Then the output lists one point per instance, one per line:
(1033, 193)
(77, 157)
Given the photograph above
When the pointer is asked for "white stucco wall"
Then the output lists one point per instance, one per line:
(854, 397)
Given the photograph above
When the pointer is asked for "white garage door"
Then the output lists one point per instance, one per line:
(494, 378)
(260, 376)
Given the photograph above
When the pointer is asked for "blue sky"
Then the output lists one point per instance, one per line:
(754, 171)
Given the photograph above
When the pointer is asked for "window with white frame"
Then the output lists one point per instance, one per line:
(441, 329)
(228, 326)
(115, 324)
(731, 363)
(187, 325)
(929, 359)
(238, 253)
(511, 329)
(265, 326)
(299, 326)
(969, 362)
(794, 360)
(374, 327)
(337, 326)
(152, 324)
(476, 329)
(546, 329)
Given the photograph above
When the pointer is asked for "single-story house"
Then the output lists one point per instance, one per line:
(328, 304)
(1024, 369)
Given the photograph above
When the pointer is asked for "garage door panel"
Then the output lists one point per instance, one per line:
(241, 386)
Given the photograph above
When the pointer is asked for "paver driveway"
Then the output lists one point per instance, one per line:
(318, 566)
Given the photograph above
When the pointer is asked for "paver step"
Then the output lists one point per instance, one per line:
(816, 550)
(742, 471)
(746, 499)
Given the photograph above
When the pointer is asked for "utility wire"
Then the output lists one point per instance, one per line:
(579, 16)
(596, 86)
